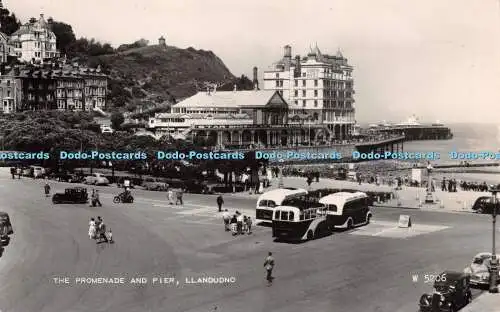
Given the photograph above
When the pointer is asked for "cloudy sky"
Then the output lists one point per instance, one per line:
(438, 59)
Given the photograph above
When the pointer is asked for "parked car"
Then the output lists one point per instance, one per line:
(451, 293)
(5, 220)
(197, 187)
(73, 195)
(96, 179)
(152, 184)
(66, 177)
(479, 270)
(484, 205)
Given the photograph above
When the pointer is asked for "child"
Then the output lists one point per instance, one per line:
(110, 236)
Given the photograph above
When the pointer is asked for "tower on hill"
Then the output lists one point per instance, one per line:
(161, 42)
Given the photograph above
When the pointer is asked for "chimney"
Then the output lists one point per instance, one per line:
(255, 78)
(287, 57)
(297, 66)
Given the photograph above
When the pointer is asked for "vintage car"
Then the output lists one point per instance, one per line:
(451, 293)
(73, 195)
(484, 205)
(152, 184)
(96, 179)
(5, 221)
(479, 270)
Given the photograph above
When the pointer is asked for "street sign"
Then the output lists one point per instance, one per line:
(404, 221)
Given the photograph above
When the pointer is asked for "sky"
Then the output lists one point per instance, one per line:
(437, 59)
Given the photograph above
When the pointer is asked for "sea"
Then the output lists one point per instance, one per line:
(467, 138)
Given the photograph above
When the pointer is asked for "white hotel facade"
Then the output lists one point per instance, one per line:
(318, 87)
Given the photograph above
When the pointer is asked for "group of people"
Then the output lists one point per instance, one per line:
(449, 185)
(474, 186)
(16, 171)
(97, 231)
(178, 196)
(238, 224)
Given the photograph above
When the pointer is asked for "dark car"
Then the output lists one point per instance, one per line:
(5, 221)
(451, 293)
(66, 177)
(73, 195)
(484, 205)
(152, 184)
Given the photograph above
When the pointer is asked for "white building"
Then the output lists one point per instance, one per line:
(318, 85)
(34, 41)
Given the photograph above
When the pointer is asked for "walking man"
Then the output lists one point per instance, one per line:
(239, 223)
(170, 196)
(249, 225)
(47, 189)
(96, 198)
(269, 266)
(13, 172)
(179, 197)
(19, 171)
(220, 202)
(226, 217)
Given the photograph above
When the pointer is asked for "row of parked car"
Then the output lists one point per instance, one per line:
(452, 290)
(149, 183)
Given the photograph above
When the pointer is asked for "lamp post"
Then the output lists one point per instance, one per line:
(494, 259)
(281, 183)
(429, 198)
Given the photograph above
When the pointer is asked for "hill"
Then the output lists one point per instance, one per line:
(152, 75)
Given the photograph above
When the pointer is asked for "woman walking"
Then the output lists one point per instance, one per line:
(92, 229)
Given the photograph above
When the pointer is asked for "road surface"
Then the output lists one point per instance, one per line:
(369, 269)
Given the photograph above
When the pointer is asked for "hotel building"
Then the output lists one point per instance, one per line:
(34, 41)
(318, 87)
(70, 88)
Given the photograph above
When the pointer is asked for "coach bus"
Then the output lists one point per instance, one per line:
(300, 219)
(347, 210)
(269, 200)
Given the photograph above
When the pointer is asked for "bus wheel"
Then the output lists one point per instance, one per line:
(349, 224)
(310, 235)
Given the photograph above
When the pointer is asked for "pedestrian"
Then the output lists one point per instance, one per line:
(92, 198)
(239, 223)
(19, 171)
(47, 189)
(269, 265)
(110, 236)
(92, 228)
(96, 198)
(13, 172)
(179, 197)
(226, 218)
(220, 202)
(249, 225)
(170, 196)
(244, 225)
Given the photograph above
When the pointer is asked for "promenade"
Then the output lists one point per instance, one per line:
(407, 197)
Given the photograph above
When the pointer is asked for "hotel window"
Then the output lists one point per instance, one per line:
(296, 93)
(315, 103)
(315, 93)
(303, 74)
(303, 83)
(8, 93)
(315, 83)
(281, 83)
(304, 103)
(277, 75)
(304, 93)
(296, 83)
(277, 83)
(296, 102)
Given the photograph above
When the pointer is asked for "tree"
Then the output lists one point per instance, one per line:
(117, 120)
(9, 22)
(65, 36)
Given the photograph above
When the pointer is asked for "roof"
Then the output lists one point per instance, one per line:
(230, 99)
(341, 198)
(281, 193)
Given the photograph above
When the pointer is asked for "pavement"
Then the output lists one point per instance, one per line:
(368, 269)
(407, 197)
(485, 303)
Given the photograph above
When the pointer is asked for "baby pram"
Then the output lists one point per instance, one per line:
(234, 228)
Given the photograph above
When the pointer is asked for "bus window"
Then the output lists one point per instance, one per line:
(277, 215)
(332, 208)
(307, 214)
(313, 213)
(301, 216)
(284, 215)
(291, 216)
(271, 204)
